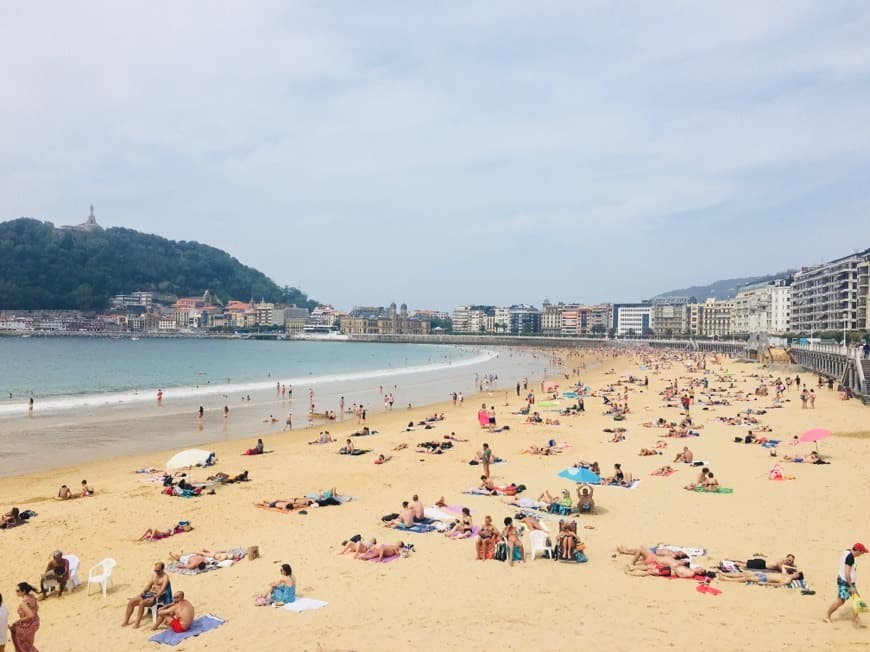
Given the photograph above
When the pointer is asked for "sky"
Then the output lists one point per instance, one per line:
(447, 153)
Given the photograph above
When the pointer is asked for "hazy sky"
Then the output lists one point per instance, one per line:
(443, 153)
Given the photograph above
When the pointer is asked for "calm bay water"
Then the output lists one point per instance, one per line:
(95, 398)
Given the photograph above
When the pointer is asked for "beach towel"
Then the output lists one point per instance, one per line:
(474, 530)
(304, 604)
(476, 491)
(794, 584)
(173, 567)
(445, 514)
(633, 484)
(417, 528)
(720, 490)
(692, 552)
(200, 626)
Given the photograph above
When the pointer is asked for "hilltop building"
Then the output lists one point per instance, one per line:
(89, 224)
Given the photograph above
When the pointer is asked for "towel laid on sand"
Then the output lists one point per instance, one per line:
(692, 552)
(304, 604)
(720, 490)
(200, 626)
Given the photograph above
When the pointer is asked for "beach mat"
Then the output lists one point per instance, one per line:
(633, 485)
(418, 528)
(200, 626)
(304, 604)
(720, 490)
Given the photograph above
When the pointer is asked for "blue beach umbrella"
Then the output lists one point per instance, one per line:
(580, 475)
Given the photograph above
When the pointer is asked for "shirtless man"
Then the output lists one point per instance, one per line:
(190, 560)
(217, 555)
(702, 478)
(585, 501)
(487, 485)
(64, 493)
(178, 615)
(687, 457)
(155, 588)
(358, 547)
(417, 508)
(405, 519)
(56, 571)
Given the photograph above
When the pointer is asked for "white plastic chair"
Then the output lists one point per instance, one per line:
(539, 542)
(101, 574)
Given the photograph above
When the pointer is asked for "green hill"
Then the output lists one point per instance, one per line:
(43, 267)
(721, 290)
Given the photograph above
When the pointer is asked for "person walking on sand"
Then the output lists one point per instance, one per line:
(288, 424)
(159, 397)
(847, 579)
(23, 630)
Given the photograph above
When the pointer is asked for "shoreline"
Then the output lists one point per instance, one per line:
(109, 431)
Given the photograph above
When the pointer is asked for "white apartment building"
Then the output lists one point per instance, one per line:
(716, 318)
(632, 319)
(832, 296)
(762, 308)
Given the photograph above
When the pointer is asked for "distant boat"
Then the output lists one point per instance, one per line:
(318, 332)
(135, 338)
(26, 335)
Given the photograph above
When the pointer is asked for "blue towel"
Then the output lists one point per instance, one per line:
(418, 528)
(199, 626)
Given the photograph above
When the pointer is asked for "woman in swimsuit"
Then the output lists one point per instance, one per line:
(485, 543)
(463, 527)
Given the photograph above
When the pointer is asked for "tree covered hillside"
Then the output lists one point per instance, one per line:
(42, 267)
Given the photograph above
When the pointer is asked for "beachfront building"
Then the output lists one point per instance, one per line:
(473, 319)
(714, 318)
(670, 316)
(762, 308)
(575, 320)
(832, 296)
(325, 316)
(524, 320)
(371, 320)
(632, 319)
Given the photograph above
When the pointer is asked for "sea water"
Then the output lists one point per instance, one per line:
(95, 398)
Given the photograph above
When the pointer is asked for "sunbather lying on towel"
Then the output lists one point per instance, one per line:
(289, 504)
(649, 451)
(357, 545)
(383, 458)
(215, 555)
(383, 550)
(763, 577)
(155, 534)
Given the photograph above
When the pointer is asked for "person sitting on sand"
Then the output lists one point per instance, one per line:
(592, 466)
(383, 458)
(486, 538)
(618, 436)
(347, 449)
(585, 501)
(711, 484)
(463, 527)
(64, 493)
(323, 438)
(619, 478)
(86, 490)
(384, 550)
(155, 588)
(418, 509)
(56, 572)
(686, 456)
(649, 451)
(178, 615)
(702, 478)
(405, 519)
(257, 450)
(567, 539)
(282, 591)
(487, 485)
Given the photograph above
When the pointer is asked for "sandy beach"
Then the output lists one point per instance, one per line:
(441, 595)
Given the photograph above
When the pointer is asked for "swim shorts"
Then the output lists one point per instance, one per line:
(843, 590)
(176, 626)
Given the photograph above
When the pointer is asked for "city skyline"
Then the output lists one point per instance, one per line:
(501, 153)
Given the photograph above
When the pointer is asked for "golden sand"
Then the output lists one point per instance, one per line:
(441, 596)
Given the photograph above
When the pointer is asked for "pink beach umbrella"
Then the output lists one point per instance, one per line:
(814, 435)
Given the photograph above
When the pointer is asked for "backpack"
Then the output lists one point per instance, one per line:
(500, 551)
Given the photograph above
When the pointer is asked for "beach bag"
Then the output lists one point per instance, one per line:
(580, 557)
(389, 517)
(500, 551)
(253, 552)
(859, 604)
(756, 564)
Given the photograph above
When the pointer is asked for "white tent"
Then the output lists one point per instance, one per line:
(188, 458)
